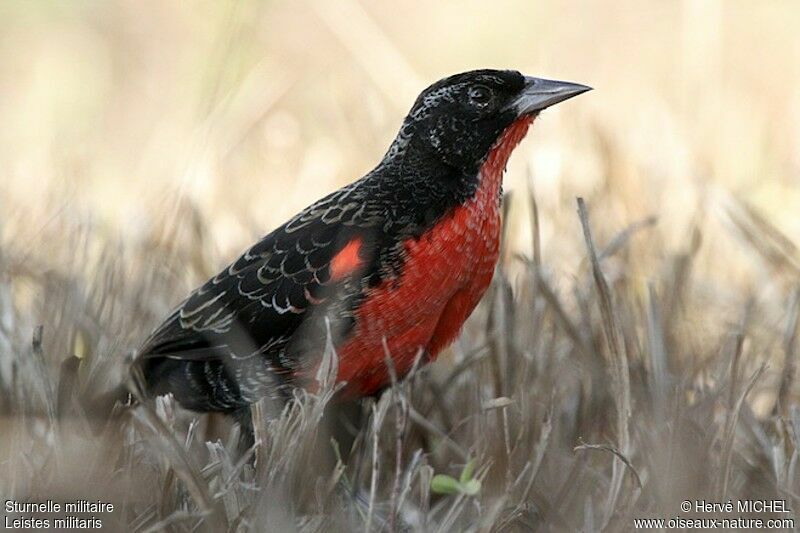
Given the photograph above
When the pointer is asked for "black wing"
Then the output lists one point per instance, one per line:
(232, 339)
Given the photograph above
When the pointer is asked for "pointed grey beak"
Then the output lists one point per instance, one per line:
(539, 93)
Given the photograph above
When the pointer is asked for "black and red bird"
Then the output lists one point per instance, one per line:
(392, 263)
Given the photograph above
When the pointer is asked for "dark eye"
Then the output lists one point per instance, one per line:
(480, 95)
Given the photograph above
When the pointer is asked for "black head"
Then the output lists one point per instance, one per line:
(457, 119)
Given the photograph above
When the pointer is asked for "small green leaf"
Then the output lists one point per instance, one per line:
(444, 484)
(471, 487)
(466, 474)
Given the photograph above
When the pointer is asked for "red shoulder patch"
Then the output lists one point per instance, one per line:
(347, 261)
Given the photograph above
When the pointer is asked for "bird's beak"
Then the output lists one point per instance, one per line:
(538, 94)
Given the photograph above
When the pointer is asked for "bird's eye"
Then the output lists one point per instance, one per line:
(480, 95)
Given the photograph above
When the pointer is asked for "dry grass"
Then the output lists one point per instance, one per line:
(640, 354)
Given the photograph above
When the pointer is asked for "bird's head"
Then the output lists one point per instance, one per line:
(459, 118)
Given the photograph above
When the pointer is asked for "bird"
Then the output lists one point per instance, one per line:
(383, 271)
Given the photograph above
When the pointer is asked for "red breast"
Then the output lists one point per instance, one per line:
(445, 273)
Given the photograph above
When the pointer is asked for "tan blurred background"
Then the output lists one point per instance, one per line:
(124, 123)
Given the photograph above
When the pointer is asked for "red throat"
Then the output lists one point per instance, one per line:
(492, 169)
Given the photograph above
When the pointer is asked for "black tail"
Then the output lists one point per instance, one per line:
(197, 385)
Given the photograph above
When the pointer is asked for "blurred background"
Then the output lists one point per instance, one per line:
(122, 120)
(144, 144)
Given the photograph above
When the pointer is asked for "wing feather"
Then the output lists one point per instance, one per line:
(267, 292)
